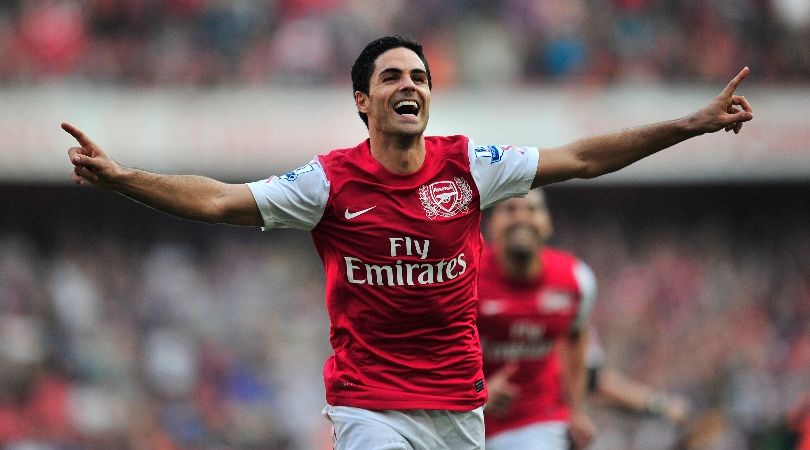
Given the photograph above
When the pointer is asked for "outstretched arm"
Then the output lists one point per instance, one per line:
(187, 196)
(628, 393)
(599, 155)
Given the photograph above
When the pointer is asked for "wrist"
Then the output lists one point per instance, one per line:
(577, 409)
(690, 125)
(656, 403)
(121, 178)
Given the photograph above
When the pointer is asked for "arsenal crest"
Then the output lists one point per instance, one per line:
(445, 198)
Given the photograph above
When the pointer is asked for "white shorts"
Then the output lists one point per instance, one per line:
(418, 429)
(537, 436)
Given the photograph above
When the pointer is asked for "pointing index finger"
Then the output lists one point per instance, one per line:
(78, 134)
(732, 85)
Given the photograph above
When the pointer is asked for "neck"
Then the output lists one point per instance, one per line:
(398, 154)
(520, 268)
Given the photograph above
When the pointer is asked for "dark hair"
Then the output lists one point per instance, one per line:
(364, 65)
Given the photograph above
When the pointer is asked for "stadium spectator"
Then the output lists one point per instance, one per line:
(249, 43)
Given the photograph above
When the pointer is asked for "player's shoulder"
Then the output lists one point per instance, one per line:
(341, 162)
(341, 154)
(557, 256)
(566, 268)
(455, 139)
(452, 148)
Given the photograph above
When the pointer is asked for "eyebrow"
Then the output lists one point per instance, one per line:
(399, 71)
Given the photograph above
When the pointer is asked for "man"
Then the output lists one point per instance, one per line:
(539, 356)
(396, 223)
(533, 311)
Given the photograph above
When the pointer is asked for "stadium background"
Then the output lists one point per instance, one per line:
(123, 328)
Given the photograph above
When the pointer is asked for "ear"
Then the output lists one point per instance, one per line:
(361, 101)
(547, 231)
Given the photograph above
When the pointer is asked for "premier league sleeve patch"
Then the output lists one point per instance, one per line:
(493, 152)
(294, 174)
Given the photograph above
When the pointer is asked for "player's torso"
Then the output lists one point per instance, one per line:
(521, 321)
(400, 237)
(401, 255)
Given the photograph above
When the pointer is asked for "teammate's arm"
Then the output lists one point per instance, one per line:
(599, 155)
(501, 390)
(580, 427)
(629, 393)
(187, 196)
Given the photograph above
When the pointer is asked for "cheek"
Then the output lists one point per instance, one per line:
(545, 228)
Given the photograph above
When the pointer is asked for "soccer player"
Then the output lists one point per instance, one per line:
(532, 319)
(539, 355)
(395, 221)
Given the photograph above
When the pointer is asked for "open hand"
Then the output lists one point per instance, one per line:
(91, 165)
(501, 390)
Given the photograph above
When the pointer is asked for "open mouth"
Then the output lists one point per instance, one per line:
(407, 107)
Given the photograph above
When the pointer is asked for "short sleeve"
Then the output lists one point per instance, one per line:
(294, 200)
(594, 353)
(502, 171)
(587, 292)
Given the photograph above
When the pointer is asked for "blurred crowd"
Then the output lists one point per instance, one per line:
(704, 292)
(468, 42)
(111, 344)
(124, 329)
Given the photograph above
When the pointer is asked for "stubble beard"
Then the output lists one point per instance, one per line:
(406, 131)
(521, 244)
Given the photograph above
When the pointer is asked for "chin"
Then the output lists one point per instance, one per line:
(410, 130)
(520, 253)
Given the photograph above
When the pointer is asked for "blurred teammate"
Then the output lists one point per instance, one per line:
(540, 359)
(396, 223)
(533, 311)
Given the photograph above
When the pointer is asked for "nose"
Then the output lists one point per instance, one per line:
(521, 215)
(407, 83)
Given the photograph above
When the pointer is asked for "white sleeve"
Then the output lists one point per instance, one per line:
(587, 288)
(594, 353)
(502, 171)
(294, 200)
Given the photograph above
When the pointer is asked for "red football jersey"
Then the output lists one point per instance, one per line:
(521, 322)
(401, 255)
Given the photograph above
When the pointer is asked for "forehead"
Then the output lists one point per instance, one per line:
(398, 58)
(533, 200)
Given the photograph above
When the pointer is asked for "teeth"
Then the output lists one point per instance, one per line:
(406, 102)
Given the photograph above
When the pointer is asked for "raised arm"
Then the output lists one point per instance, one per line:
(187, 196)
(599, 155)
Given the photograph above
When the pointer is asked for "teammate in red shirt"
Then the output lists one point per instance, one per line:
(532, 317)
(396, 223)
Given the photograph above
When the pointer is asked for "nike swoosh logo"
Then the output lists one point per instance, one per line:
(352, 215)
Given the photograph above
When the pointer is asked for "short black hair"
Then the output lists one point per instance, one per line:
(364, 65)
